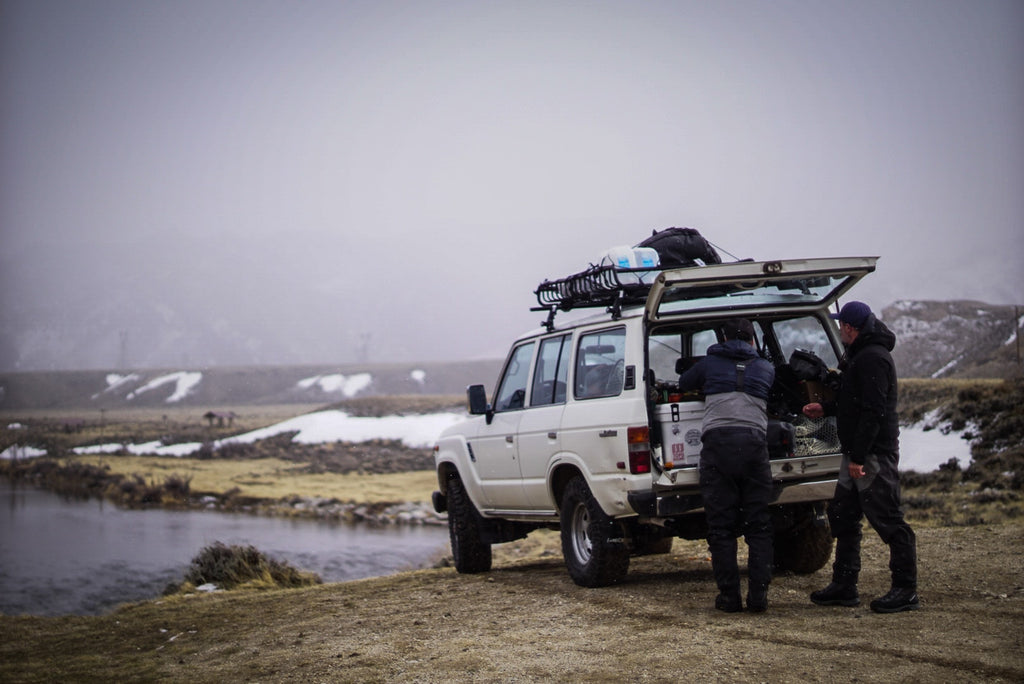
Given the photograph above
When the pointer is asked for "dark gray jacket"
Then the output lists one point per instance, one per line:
(734, 396)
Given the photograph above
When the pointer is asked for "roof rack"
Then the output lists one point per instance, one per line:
(598, 286)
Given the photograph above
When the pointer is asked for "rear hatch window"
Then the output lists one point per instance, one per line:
(809, 284)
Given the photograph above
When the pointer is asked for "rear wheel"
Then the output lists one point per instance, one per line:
(805, 547)
(595, 552)
(471, 554)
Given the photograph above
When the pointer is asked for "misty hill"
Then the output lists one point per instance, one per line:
(957, 339)
(236, 386)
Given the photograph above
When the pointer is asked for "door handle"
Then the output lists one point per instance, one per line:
(552, 435)
(508, 438)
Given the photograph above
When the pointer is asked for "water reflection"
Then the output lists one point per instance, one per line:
(84, 557)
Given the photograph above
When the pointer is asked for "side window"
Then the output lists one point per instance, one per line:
(664, 349)
(512, 388)
(804, 333)
(600, 364)
(701, 340)
(551, 372)
(672, 353)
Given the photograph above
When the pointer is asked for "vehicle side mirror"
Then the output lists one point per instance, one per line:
(476, 400)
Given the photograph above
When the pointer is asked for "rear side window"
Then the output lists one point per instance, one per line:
(805, 333)
(600, 364)
(551, 372)
(675, 350)
(512, 388)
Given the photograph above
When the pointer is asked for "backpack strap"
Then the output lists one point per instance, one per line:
(741, 368)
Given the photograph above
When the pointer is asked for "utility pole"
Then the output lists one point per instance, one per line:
(122, 359)
(363, 348)
(1016, 330)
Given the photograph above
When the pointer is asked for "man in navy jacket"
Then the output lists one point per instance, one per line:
(869, 485)
(735, 477)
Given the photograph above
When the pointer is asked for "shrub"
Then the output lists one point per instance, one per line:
(177, 488)
(232, 566)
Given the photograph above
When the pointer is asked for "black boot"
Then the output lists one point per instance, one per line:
(836, 594)
(898, 599)
(757, 599)
(729, 602)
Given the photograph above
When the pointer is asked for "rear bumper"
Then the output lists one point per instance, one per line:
(666, 505)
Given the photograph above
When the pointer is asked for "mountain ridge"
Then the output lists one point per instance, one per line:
(961, 339)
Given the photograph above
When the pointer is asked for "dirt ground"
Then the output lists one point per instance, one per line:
(526, 621)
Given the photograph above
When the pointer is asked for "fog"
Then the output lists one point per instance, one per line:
(214, 182)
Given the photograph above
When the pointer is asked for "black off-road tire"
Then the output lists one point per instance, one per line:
(595, 552)
(471, 554)
(805, 548)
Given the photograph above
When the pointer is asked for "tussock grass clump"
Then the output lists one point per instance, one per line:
(74, 479)
(231, 567)
(78, 479)
(135, 491)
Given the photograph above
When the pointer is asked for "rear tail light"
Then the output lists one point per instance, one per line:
(639, 445)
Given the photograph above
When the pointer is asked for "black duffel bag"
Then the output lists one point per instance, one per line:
(681, 248)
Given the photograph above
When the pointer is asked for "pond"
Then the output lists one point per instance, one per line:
(83, 557)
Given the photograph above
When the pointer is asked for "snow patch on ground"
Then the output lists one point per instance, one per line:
(184, 382)
(15, 452)
(313, 428)
(349, 386)
(332, 426)
(926, 445)
(115, 380)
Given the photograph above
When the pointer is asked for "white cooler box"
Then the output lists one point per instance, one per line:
(680, 432)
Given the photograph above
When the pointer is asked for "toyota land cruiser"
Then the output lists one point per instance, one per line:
(588, 433)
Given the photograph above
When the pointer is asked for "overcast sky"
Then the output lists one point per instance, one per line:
(391, 180)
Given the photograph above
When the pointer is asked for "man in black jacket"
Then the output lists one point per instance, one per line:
(735, 477)
(869, 486)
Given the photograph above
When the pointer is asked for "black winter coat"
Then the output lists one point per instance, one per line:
(865, 405)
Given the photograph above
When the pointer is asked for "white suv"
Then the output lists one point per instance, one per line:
(589, 433)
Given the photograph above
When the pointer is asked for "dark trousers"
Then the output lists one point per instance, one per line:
(736, 484)
(876, 496)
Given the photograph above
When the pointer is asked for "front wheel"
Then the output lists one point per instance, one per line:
(470, 553)
(595, 552)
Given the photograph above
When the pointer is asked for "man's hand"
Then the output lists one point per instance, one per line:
(814, 410)
(856, 470)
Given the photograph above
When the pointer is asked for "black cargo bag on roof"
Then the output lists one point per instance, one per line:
(681, 248)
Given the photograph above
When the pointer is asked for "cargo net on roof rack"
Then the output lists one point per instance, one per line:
(605, 285)
(623, 275)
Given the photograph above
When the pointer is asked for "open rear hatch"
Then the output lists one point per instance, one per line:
(749, 285)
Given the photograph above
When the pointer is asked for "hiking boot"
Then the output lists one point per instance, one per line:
(757, 597)
(898, 599)
(729, 603)
(836, 594)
